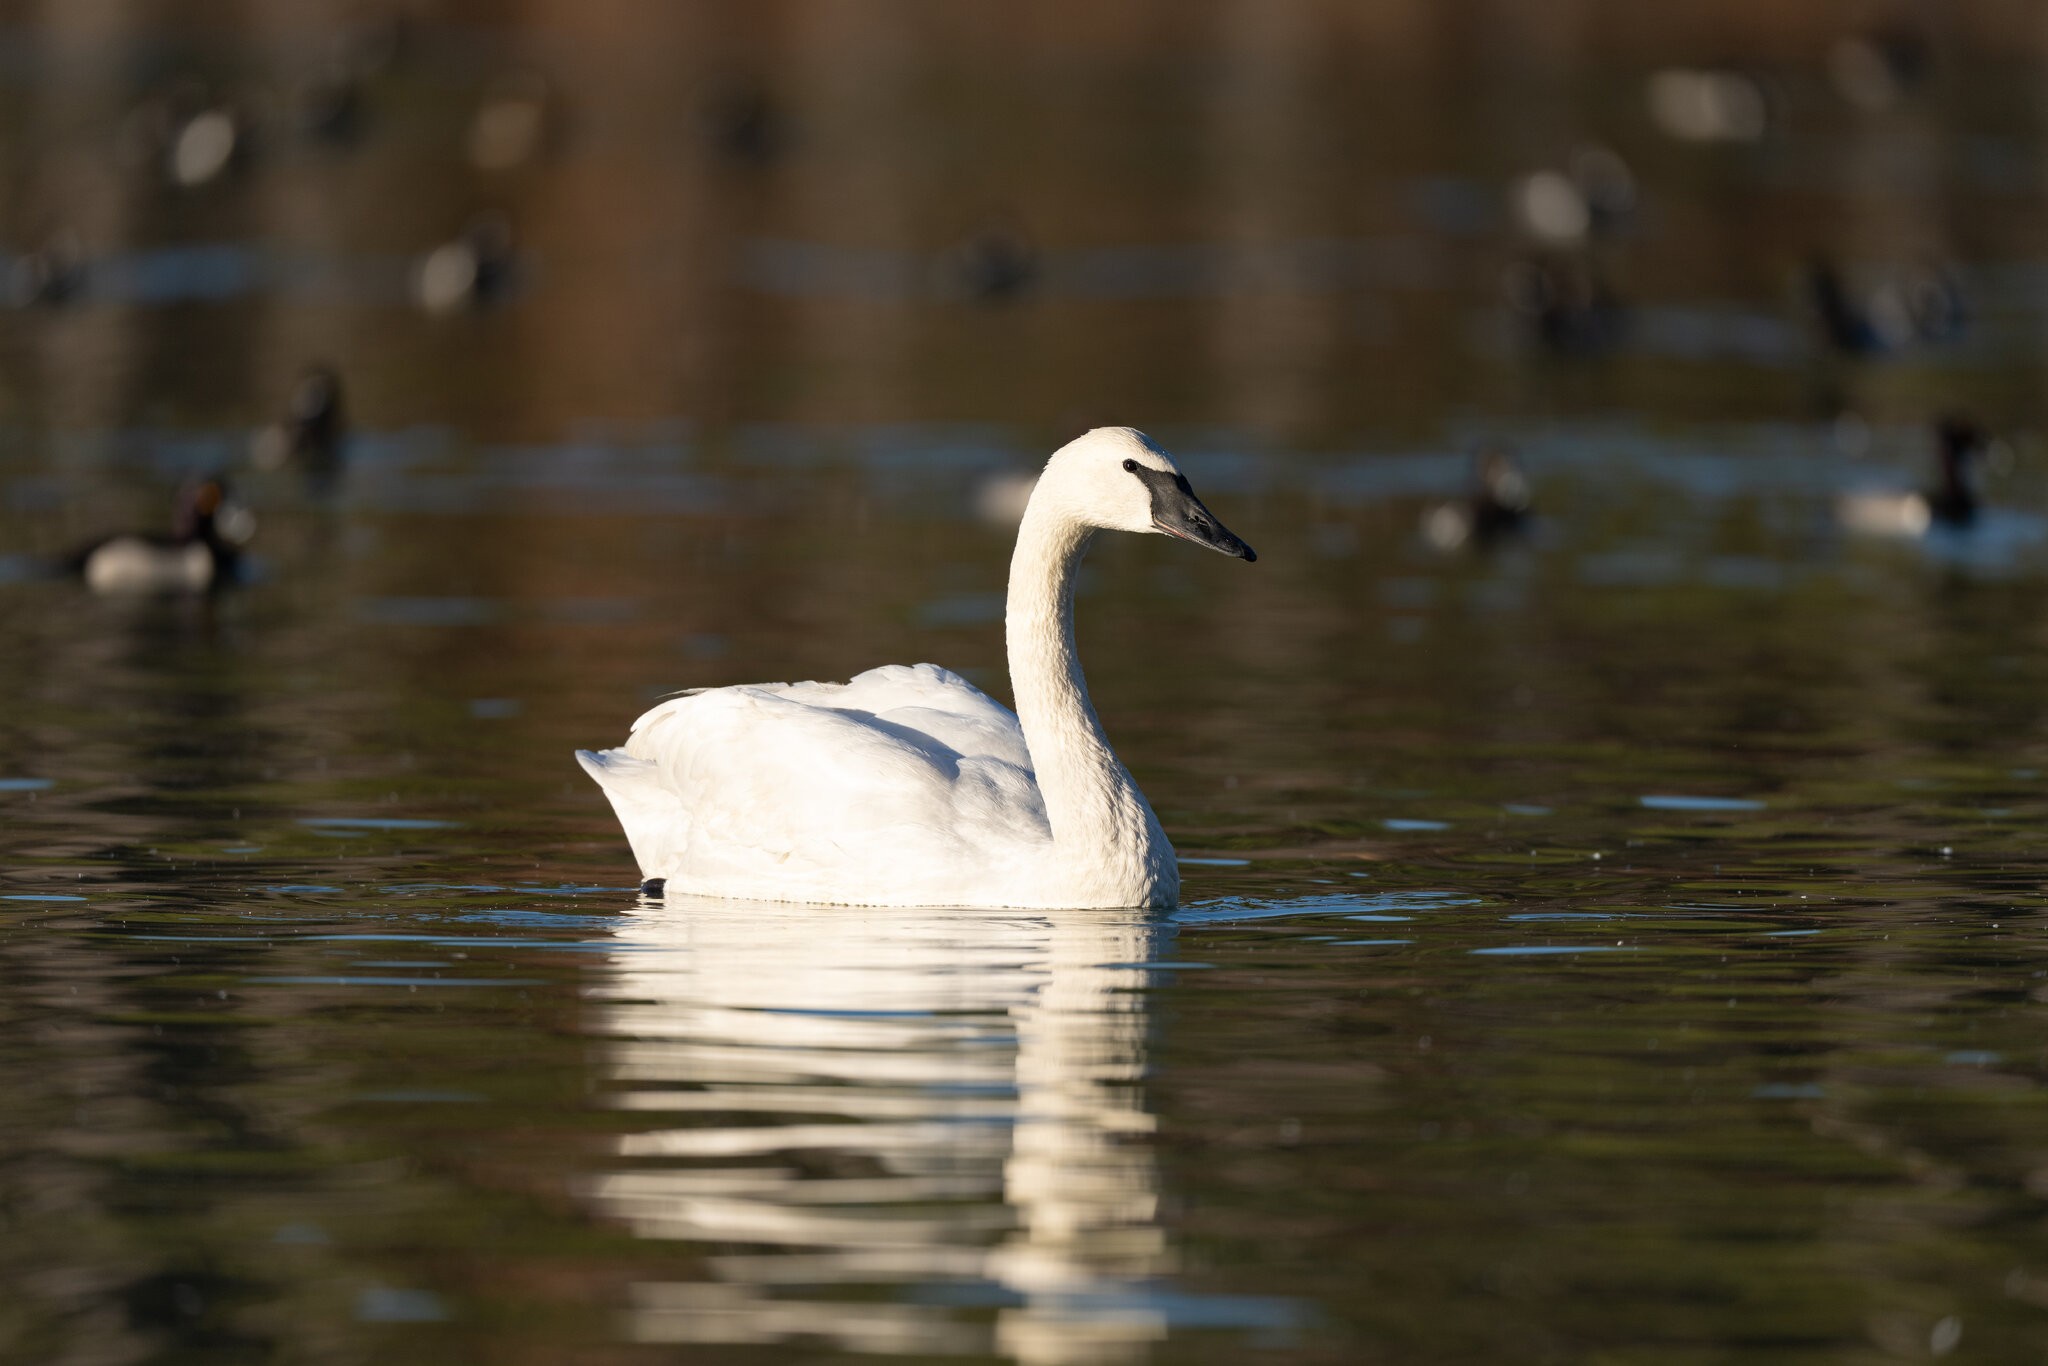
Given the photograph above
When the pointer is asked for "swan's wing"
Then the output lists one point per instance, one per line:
(903, 776)
(913, 701)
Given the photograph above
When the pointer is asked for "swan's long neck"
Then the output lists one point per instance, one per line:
(1095, 809)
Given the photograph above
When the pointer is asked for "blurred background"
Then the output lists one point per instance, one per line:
(1296, 220)
(1611, 806)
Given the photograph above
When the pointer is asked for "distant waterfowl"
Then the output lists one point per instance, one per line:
(994, 265)
(1952, 502)
(1605, 182)
(310, 433)
(513, 122)
(1551, 208)
(1708, 104)
(742, 124)
(908, 786)
(471, 271)
(1843, 323)
(1878, 69)
(1565, 303)
(1922, 303)
(1592, 196)
(191, 137)
(1496, 507)
(1917, 305)
(52, 274)
(203, 550)
(374, 46)
(330, 105)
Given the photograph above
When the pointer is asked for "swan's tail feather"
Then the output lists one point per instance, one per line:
(652, 815)
(608, 765)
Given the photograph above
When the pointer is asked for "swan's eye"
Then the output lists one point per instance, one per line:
(1131, 465)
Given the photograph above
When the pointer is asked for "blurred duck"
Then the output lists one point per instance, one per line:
(330, 105)
(1708, 104)
(994, 265)
(1920, 305)
(1879, 69)
(1843, 322)
(513, 123)
(1565, 303)
(190, 137)
(1953, 503)
(471, 271)
(52, 274)
(1496, 507)
(202, 552)
(742, 124)
(1592, 196)
(311, 432)
(373, 47)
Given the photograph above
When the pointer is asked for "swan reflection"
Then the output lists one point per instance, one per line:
(896, 1131)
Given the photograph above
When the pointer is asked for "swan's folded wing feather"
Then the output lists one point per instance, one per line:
(788, 784)
(926, 698)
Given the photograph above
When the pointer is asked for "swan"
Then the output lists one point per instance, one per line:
(908, 786)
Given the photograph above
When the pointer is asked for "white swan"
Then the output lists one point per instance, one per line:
(908, 786)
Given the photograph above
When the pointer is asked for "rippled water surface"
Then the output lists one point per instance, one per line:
(1622, 943)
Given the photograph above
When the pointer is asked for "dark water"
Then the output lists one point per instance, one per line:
(1622, 944)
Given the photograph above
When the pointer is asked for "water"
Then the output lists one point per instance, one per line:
(1621, 943)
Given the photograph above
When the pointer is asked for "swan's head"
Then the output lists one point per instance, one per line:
(1118, 479)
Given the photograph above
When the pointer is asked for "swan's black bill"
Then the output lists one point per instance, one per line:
(1177, 512)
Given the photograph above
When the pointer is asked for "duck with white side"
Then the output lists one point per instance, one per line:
(1953, 504)
(908, 786)
(203, 551)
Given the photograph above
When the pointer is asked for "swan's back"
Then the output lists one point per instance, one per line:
(906, 785)
(917, 699)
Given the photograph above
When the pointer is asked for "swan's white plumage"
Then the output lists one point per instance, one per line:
(908, 786)
(897, 787)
